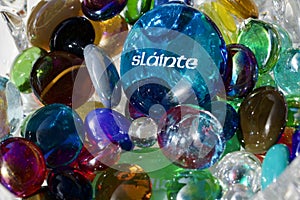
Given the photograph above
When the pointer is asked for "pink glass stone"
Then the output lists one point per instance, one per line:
(22, 165)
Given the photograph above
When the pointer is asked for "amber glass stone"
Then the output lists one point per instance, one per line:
(45, 16)
(60, 77)
(263, 115)
(243, 9)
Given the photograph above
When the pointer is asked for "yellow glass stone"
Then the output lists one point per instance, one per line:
(223, 19)
(83, 110)
(241, 8)
(111, 34)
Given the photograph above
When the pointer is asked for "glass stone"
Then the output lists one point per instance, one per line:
(263, 115)
(105, 126)
(293, 105)
(58, 131)
(263, 40)
(241, 72)
(192, 140)
(156, 3)
(198, 184)
(21, 68)
(69, 184)
(286, 137)
(42, 194)
(45, 16)
(84, 109)
(158, 72)
(61, 77)
(242, 9)
(143, 132)
(265, 79)
(238, 191)
(104, 75)
(232, 145)
(123, 181)
(287, 72)
(98, 10)
(274, 163)
(239, 167)
(134, 9)
(112, 34)
(72, 35)
(11, 110)
(286, 41)
(295, 144)
(22, 164)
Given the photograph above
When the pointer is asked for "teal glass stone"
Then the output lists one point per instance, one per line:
(264, 41)
(285, 38)
(199, 184)
(274, 163)
(287, 72)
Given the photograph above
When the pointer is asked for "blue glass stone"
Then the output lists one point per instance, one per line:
(172, 55)
(295, 144)
(287, 72)
(227, 116)
(105, 126)
(58, 131)
(69, 184)
(190, 138)
(104, 75)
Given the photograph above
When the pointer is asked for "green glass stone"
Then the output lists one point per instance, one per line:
(293, 119)
(135, 9)
(265, 79)
(287, 72)
(264, 40)
(194, 184)
(232, 145)
(21, 68)
(235, 103)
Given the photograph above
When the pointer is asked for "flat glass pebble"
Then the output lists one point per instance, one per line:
(69, 184)
(11, 110)
(263, 40)
(263, 115)
(45, 16)
(61, 77)
(72, 35)
(239, 167)
(113, 34)
(98, 10)
(241, 72)
(295, 144)
(275, 162)
(143, 132)
(158, 72)
(287, 72)
(22, 164)
(105, 126)
(243, 9)
(134, 9)
(286, 41)
(57, 130)
(104, 75)
(293, 119)
(123, 181)
(199, 184)
(189, 140)
(21, 68)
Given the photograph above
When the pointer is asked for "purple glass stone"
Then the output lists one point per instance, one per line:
(22, 165)
(295, 144)
(102, 9)
(105, 126)
(240, 73)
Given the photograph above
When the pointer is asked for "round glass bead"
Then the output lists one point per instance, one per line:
(287, 72)
(189, 140)
(105, 126)
(241, 72)
(22, 164)
(22, 66)
(199, 184)
(263, 115)
(143, 132)
(69, 184)
(72, 35)
(102, 10)
(58, 131)
(45, 16)
(263, 40)
(239, 167)
(60, 77)
(158, 72)
(123, 181)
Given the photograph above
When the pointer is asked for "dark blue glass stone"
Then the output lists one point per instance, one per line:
(105, 126)
(69, 184)
(57, 130)
(72, 35)
(295, 144)
(172, 56)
